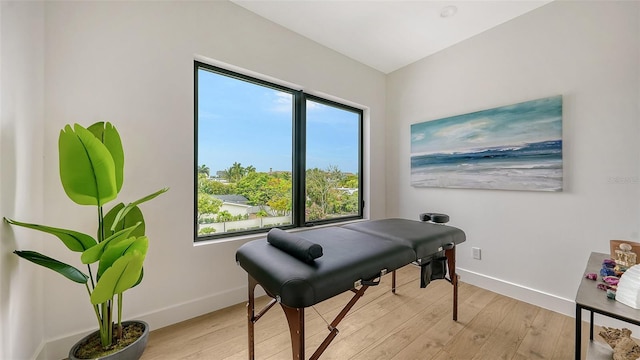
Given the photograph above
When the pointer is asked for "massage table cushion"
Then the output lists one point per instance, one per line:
(355, 252)
(426, 239)
(349, 256)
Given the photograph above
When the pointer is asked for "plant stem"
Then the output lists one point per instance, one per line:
(105, 327)
(119, 333)
(100, 225)
(110, 314)
(93, 285)
(95, 307)
(119, 308)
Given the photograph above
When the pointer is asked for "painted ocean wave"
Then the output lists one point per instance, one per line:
(534, 166)
(551, 149)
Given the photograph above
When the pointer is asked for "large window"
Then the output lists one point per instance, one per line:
(271, 156)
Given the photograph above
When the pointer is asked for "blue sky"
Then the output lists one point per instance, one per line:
(527, 122)
(251, 124)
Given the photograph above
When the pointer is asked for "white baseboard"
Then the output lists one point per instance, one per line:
(38, 353)
(538, 298)
(519, 292)
(59, 348)
(180, 312)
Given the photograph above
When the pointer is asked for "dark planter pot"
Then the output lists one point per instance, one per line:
(131, 352)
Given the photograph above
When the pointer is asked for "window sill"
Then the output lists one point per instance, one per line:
(246, 238)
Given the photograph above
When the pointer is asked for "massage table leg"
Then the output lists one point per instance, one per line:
(295, 318)
(333, 327)
(251, 317)
(393, 281)
(451, 260)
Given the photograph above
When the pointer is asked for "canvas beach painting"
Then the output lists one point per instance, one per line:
(514, 147)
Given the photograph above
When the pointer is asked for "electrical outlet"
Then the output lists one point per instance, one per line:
(477, 253)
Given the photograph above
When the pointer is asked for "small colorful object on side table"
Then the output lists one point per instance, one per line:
(612, 269)
(608, 266)
(610, 273)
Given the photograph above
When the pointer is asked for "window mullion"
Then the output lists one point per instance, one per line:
(299, 158)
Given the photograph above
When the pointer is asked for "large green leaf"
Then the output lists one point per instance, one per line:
(87, 169)
(133, 217)
(124, 211)
(121, 276)
(74, 240)
(140, 246)
(113, 252)
(120, 248)
(110, 137)
(61, 268)
(93, 254)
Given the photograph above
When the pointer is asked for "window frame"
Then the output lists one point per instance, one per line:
(298, 166)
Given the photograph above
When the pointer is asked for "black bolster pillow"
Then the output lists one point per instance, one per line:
(293, 245)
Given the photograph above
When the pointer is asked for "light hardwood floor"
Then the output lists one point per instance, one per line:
(412, 324)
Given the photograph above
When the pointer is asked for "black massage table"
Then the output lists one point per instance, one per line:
(301, 269)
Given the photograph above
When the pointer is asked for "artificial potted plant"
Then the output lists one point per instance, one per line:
(91, 171)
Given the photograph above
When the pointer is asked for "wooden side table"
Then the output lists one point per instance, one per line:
(594, 300)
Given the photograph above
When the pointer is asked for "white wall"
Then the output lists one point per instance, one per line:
(131, 63)
(21, 169)
(534, 244)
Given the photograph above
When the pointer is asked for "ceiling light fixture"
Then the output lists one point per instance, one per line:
(448, 11)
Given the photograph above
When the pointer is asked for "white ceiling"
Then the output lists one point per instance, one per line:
(391, 34)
